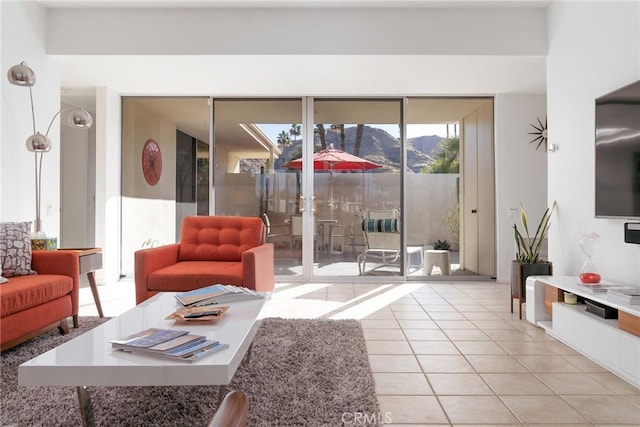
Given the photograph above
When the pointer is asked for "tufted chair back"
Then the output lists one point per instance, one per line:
(219, 238)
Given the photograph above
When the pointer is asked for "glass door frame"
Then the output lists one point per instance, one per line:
(307, 202)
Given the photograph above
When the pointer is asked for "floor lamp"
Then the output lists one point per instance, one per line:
(37, 143)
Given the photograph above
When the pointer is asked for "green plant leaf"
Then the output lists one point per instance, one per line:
(528, 249)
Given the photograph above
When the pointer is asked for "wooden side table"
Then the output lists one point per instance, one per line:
(90, 261)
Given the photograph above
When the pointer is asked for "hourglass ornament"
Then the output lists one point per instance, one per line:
(589, 243)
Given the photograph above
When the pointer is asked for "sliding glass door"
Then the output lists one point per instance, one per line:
(356, 176)
(348, 188)
(253, 140)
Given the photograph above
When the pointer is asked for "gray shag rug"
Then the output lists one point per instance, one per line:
(301, 373)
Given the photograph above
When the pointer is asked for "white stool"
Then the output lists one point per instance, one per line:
(411, 250)
(433, 257)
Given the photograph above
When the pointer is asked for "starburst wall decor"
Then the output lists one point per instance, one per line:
(540, 133)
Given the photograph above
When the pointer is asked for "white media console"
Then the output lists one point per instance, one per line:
(612, 343)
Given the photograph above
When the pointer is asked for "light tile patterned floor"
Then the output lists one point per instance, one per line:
(451, 354)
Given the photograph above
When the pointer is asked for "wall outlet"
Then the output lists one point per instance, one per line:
(512, 212)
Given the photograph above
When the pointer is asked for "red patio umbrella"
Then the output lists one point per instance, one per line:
(332, 159)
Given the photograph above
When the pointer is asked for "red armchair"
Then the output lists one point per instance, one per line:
(212, 249)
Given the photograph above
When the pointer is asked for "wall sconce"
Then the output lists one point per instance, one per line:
(37, 143)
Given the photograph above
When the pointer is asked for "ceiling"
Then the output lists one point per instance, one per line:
(287, 3)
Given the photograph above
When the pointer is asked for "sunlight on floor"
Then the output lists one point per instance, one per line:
(448, 353)
(289, 300)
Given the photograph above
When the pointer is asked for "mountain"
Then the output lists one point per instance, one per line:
(377, 146)
(425, 143)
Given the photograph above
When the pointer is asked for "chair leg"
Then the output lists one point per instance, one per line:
(353, 246)
(63, 327)
(361, 264)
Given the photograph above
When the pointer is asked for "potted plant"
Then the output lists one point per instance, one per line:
(528, 261)
(442, 245)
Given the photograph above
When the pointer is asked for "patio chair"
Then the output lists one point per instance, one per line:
(381, 231)
(345, 229)
(296, 234)
(276, 233)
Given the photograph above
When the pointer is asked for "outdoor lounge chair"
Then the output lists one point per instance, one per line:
(381, 231)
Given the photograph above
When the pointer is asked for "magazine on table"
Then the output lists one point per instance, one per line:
(217, 294)
(148, 338)
(169, 344)
(625, 295)
(600, 288)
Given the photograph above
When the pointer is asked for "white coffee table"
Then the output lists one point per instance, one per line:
(89, 360)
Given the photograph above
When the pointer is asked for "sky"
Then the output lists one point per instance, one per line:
(272, 130)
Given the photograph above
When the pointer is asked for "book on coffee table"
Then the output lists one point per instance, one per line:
(169, 344)
(216, 294)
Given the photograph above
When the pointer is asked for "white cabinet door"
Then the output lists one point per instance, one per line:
(630, 356)
(586, 333)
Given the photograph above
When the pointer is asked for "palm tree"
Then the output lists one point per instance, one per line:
(359, 132)
(319, 130)
(295, 131)
(340, 130)
(283, 139)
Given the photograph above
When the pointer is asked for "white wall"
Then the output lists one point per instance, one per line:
(145, 220)
(77, 186)
(108, 155)
(594, 48)
(302, 51)
(142, 124)
(23, 39)
(521, 170)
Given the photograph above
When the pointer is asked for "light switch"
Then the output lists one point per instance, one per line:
(512, 212)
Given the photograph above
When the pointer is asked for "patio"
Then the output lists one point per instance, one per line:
(344, 263)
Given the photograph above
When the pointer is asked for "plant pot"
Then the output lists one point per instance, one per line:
(519, 274)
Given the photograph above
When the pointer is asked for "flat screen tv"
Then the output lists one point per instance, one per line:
(618, 153)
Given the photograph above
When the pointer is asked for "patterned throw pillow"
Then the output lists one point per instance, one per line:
(15, 249)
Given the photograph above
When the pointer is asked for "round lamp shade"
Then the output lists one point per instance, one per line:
(21, 75)
(38, 143)
(80, 119)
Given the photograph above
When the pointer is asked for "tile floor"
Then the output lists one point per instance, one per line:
(450, 354)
